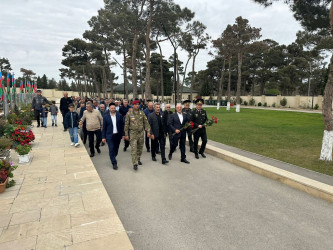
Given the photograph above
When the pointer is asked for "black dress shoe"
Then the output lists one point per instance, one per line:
(158, 152)
(38, 126)
(135, 167)
(196, 156)
(125, 149)
(148, 150)
(98, 150)
(185, 161)
(203, 155)
(164, 161)
(153, 158)
(64, 129)
(92, 155)
(139, 162)
(115, 167)
(170, 157)
(102, 144)
(192, 150)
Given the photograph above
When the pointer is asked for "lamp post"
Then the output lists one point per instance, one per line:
(174, 64)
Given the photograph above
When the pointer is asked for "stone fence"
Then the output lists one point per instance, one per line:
(297, 101)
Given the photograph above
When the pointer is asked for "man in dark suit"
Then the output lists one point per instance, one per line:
(157, 132)
(147, 111)
(176, 122)
(113, 132)
(123, 111)
(166, 114)
(64, 102)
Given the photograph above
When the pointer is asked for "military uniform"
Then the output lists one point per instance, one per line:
(199, 117)
(135, 123)
(188, 113)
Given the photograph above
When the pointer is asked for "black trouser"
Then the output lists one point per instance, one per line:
(127, 143)
(37, 115)
(63, 117)
(200, 133)
(91, 137)
(182, 138)
(189, 136)
(147, 141)
(85, 133)
(154, 146)
(170, 139)
(113, 145)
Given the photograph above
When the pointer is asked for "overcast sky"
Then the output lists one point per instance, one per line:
(33, 32)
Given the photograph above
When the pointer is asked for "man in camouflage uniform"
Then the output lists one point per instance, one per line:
(188, 112)
(135, 123)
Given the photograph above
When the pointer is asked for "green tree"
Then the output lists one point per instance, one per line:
(245, 36)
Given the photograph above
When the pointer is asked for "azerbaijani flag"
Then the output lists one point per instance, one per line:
(21, 87)
(1, 87)
(13, 86)
(35, 87)
(8, 86)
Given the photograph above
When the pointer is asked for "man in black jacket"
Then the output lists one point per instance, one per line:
(64, 102)
(176, 123)
(123, 111)
(157, 132)
(36, 105)
(166, 114)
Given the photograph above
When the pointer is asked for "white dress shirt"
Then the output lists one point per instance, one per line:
(114, 123)
(180, 117)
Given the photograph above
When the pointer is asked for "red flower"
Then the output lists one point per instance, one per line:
(192, 124)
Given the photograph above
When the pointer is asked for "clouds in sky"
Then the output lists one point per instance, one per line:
(33, 32)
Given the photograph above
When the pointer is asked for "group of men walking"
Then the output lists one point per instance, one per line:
(154, 125)
(110, 123)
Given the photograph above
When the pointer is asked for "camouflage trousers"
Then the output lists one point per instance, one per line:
(136, 142)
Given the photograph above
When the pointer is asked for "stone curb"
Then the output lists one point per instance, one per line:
(312, 187)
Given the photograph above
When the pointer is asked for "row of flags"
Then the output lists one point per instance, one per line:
(26, 87)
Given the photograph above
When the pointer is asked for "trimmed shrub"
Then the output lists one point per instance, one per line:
(252, 102)
(259, 104)
(283, 102)
(245, 103)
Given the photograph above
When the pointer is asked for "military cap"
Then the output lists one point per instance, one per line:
(199, 101)
(186, 101)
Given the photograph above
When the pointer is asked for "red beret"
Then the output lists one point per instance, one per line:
(135, 102)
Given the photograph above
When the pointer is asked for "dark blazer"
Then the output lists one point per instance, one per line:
(107, 132)
(174, 122)
(154, 127)
(166, 116)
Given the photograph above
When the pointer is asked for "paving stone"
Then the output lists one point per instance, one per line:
(22, 244)
(29, 196)
(7, 194)
(20, 231)
(89, 216)
(96, 229)
(118, 241)
(57, 223)
(5, 219)
(26, 216)
(54, 240)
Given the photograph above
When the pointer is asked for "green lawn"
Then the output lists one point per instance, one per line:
(291, 137)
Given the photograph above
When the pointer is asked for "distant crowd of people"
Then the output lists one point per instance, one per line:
(138, 123)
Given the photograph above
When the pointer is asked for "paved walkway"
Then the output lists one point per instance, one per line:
(211, 204)
(59, 201)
